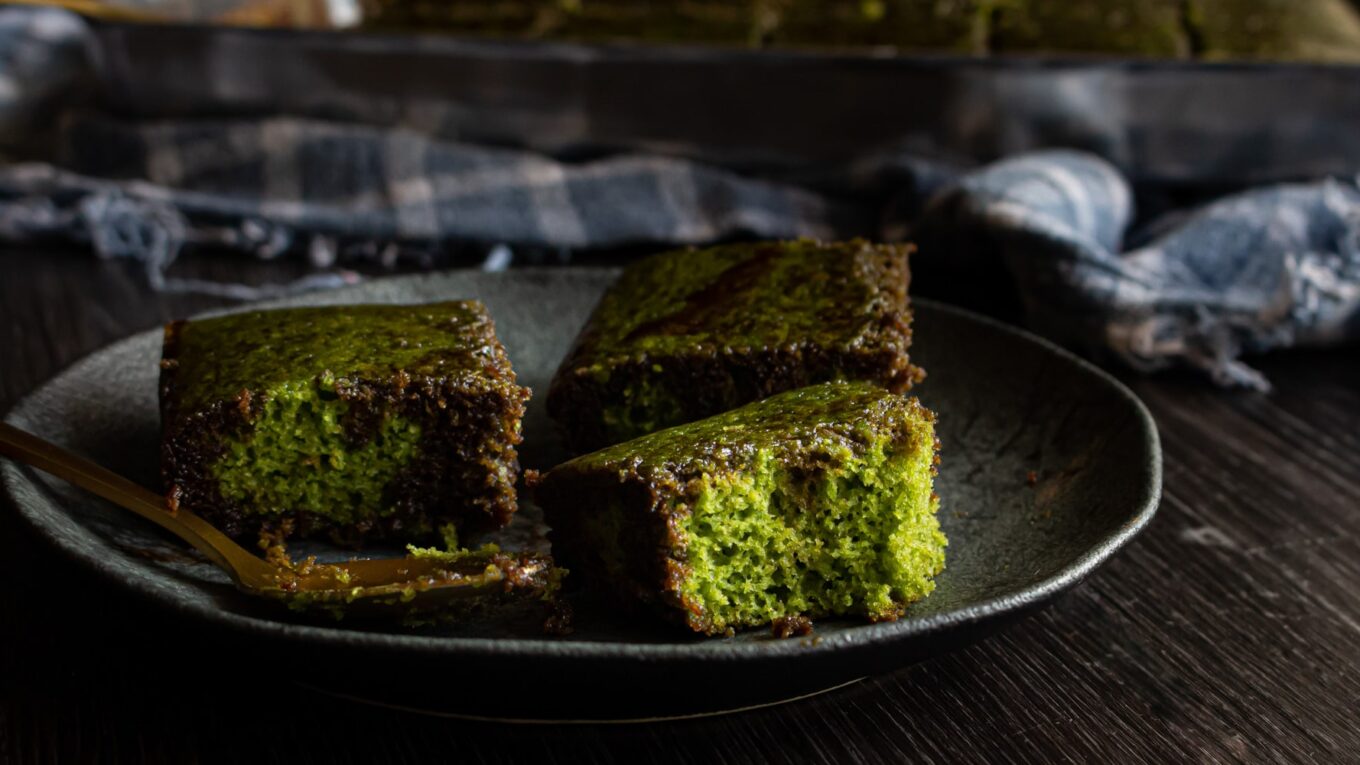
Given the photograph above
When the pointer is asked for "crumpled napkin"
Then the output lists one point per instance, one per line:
(1269, 268)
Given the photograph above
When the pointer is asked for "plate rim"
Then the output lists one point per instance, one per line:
(858, 637)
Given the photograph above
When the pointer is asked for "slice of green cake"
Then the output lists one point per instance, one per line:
(816, 502)
(354, 422)
(1153, 28)
(1300, 30)
(687, 334)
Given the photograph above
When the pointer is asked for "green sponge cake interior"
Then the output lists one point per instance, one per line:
(815, 502)
(353, 421)
(339, 477)
(871, 545)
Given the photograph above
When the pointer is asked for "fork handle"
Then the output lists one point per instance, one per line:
(48, 457)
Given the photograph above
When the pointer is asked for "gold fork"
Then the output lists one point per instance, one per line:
(371, 587)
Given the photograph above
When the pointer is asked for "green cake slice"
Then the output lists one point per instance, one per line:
(687, 334)
(816, 502)
(352, 422)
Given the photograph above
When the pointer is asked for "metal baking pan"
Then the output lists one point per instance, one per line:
(1165, 122)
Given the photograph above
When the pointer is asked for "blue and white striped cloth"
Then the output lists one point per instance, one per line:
(1270, 268)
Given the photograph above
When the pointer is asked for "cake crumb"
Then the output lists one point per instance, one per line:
(791, 626)
(558, 623)
(272, 542)
(172, 500)
(243, 400)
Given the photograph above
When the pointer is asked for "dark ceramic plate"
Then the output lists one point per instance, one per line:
(1010, 406)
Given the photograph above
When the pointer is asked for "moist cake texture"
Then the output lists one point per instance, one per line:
(353, 422)
(688, 334)
(815, 502)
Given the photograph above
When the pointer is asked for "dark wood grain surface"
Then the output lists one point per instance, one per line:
(1230, 631)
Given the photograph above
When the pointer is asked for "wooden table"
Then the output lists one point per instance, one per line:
(1229, 631)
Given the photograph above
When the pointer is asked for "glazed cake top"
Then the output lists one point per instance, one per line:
(816, 422)
(454, 342)
(742, 297)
